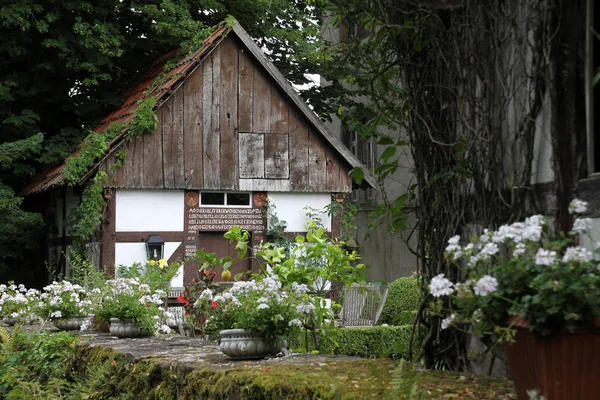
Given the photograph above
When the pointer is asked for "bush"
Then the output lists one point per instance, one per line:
(403, 295)
(367, 342)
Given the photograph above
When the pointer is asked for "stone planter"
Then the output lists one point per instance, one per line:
(241, 345)
(127, 329)
(560, 366)
(10, 321)
(71, 323)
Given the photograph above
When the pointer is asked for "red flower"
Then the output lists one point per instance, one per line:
(206, 272)
(214, 304)
(181, 298)
(214, 273)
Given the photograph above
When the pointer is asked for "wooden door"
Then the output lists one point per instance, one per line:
(214, 242)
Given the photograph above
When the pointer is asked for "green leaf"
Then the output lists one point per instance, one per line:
(357, 175)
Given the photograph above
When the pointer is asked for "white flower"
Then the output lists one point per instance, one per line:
(85, 326)
(519, 249)
(262, 300)
(262, 306)
(488, 251)
(305, 308)
(206, 294)
(440, 286)
(446, 322)
(164, 329)
(545, 257)
(485, 285)
(485, 237)
(300, 288)
(56, 314)
(532, 232)
(578, 206)
(535, 220)
(582, 224)
(295, 322)
(577, 254)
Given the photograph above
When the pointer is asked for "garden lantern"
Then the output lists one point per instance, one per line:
(155, 247)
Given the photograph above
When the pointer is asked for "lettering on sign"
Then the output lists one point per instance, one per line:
(191, 244)
(221, 219)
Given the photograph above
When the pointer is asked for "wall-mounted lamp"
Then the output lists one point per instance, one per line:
(155, 246)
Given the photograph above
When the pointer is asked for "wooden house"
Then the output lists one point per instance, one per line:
(232, 131)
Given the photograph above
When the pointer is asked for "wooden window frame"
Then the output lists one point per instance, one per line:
(225, 200)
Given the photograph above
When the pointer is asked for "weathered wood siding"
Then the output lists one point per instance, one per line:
(230, 127)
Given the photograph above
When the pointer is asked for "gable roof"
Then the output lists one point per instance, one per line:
(142, 88)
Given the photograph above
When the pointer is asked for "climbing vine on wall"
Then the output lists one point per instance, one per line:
(462, 83)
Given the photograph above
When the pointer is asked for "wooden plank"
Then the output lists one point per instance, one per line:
(317, 170)
(252, 161)
(298, 152)
(262, 102)
(229, 115)
(291, 94)
(279, 111)
(333, 171)
(152, 156)
(277, 161)
(210, 110)
(246, 92)
(271, 185)
(132, 166)
(167, 145)
(192, 123)
(177, 139)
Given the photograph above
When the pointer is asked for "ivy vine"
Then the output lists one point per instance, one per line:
(88, 216)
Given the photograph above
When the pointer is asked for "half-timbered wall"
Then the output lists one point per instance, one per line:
(230, 127)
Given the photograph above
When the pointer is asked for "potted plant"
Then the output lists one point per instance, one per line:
(132, 308)
(66, 305)
(538, 292)
(254, 317)
(17, 303)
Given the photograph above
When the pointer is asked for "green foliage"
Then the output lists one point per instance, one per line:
(367, 342)
(156, 274)
(35, 359)
(403, 296)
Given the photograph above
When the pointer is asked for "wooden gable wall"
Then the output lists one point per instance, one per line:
(230, 127)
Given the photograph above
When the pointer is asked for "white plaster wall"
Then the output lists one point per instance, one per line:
(149, 210)
(289, 207)
(127, 254)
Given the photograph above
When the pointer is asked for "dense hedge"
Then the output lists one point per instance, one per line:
(367, 342)
(403, 296)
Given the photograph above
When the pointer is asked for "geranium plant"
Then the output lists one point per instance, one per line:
(18, 301)
(64, 300)
(524, 273)
(261, 306)
(130, 299)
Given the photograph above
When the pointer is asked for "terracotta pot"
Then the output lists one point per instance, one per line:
(99, 326)
(561, 366)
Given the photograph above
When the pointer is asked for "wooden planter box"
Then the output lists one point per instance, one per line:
(560, 366)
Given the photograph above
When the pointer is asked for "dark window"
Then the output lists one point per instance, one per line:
(238, 199)
(212, 199)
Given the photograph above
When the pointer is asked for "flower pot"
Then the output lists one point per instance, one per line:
(10, 321)
(127, 329)
(560, 366)
(70, 324)
(99, 326)
(239, 344)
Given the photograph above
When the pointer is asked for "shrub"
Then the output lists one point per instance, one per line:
(403, 295)
(367, 342)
